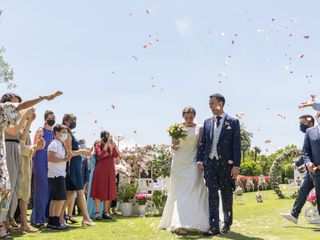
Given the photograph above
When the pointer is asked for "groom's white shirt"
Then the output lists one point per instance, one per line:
(216, 135)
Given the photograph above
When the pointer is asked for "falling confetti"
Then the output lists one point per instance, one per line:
(222, 34)
(130, 14)
(147, 11)
(113, 106)
(301, 55)
(306, 37)
(135, 58)
(267, 141)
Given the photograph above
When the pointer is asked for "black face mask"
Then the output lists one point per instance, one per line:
(73, 125)
(51, 122)
(303, 128)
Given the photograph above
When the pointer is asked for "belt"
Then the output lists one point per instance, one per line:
(12, 140)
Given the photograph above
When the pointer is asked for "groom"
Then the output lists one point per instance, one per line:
(219, 156)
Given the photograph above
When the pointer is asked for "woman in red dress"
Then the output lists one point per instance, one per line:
(104, 177)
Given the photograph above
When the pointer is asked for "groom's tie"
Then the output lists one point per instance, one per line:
(218, 121)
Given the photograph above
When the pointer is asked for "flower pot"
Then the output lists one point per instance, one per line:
(311, 215)
(142, 210)
(135, 211)
(126, 209)
(161, 210)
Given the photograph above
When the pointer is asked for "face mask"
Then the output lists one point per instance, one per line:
(303, 128)
(64, 137)
(73, 125)
(51, 122)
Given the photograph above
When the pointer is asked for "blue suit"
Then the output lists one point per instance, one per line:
(311, 153)
(217, 173)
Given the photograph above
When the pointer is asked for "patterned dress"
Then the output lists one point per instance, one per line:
(8, 115)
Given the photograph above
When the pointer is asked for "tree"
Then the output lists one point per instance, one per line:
(245, 140)
(6, 72)
(257, 152)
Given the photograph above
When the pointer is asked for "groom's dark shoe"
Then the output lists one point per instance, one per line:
(225, 229)
(212, 232)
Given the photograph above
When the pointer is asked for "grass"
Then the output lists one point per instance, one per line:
(253, 221)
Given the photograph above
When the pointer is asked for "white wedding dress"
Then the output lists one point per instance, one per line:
(187, 204)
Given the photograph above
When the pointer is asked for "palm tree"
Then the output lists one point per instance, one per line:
(245, 140)
(256, 151)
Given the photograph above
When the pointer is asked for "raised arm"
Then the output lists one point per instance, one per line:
(27, 127)
(15, 129)
(30, 103)
(100, 151)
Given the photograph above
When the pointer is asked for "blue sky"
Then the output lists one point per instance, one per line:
(94, 52)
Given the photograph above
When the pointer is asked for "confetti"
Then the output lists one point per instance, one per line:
(113, 106)
(130, 14)
(301, 55)
(306, 37)
(222, 34)
(147, 11)
(267, 141)
(135, 58)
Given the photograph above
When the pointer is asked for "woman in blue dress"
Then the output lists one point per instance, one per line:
(91, 206)
(41, 198)
(74, 178)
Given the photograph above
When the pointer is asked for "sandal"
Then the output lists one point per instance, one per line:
(13, 223)
(29, 229)
(6, 235)
(98, 217)
(71, 219)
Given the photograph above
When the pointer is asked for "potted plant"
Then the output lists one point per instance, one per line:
(159, 198)
(141, 200)
(311, 213)
(126, 193)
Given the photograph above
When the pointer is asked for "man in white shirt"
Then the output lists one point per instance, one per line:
(57, 159)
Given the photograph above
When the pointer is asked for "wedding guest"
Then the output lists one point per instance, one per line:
(74, 177)
(27, 151)
(306, 122)
(57, 159)
(9, 116)
(41, 197)
(104, 178)
(12, 139)
(91, 206)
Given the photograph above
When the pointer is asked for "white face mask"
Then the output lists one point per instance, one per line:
(64, 137)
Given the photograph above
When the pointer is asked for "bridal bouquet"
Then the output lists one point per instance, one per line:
(312, 198)
(178, 131)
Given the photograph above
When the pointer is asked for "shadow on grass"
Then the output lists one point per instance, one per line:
(300, 227)
(231, 235)
(239, 236)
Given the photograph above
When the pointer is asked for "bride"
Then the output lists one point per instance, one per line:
(187, 206)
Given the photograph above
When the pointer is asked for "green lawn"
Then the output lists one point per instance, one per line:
(253, 221)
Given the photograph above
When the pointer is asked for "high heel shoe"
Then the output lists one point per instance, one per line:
(88, 223)
(71, 219)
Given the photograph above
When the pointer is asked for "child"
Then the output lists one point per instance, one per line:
(314, 103)
(57, 160)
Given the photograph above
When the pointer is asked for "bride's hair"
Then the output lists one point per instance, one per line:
(189, 110)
